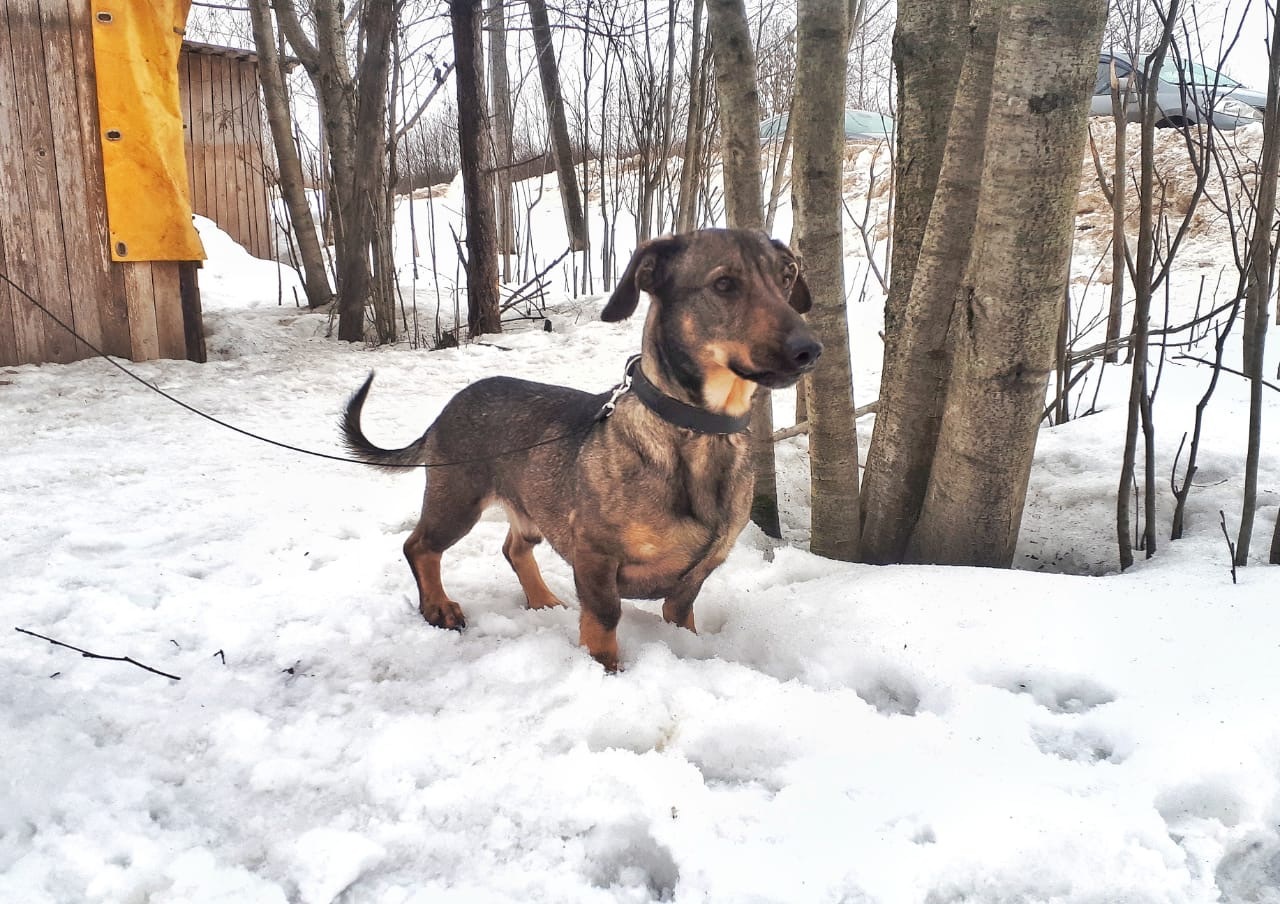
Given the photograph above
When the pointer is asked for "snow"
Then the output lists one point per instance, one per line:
(836, 732)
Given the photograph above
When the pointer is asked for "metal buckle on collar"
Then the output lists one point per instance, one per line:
(620, 390)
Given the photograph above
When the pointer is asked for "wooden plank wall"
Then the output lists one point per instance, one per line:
(53, 217)
(224, 142)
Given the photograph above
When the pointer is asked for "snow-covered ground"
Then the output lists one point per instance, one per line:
(835, 733)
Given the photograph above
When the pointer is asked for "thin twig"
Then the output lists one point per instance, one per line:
(87, 655)
(1224, 368)
(803, 426)
(1231, 547)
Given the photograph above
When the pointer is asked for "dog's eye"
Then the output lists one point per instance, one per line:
(725, 284)
(789, 273)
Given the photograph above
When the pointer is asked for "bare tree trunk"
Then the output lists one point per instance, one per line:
(483, 308)
(1139, 394)
(928, 269)
(780, 169)
(289, 167)
(817, 111)
(548, 72)
(1006, 323)
(695, 124)
(735, 63)
(500, 104)
(1119, 192)
(1258, 292)
(355, 127)
(928, 60)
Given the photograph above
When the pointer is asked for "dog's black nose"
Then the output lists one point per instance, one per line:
(803, 351)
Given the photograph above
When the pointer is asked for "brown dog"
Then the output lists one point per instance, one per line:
(643, 490)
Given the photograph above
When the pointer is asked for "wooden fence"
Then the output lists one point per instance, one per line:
(53, 218)
(224, 133)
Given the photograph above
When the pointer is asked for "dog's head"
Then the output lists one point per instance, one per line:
(726, 305)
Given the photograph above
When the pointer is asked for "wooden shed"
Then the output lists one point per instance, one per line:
(55, 237)
(224, 134)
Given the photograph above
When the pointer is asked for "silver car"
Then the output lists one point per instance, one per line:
(1186, 95)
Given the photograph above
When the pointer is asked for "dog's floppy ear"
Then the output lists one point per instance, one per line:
(641, 275)
(800, 299)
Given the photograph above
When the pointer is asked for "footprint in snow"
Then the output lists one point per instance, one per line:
(1059, 694)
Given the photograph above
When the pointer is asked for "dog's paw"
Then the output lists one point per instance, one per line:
(446, 614)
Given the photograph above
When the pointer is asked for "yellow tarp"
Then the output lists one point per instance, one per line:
(135, 51)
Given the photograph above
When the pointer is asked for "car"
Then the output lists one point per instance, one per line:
(1187, 94)
(859, 125)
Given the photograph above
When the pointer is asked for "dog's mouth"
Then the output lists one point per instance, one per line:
(771, 379)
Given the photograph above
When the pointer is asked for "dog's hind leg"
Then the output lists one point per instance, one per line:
(446, 519)
(522, 537)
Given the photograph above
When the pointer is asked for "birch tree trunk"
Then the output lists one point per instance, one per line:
(735, 64)
(979, 270)
(930, 253)
(500, 105)
(288, 165)
(817, 116)
(1006, 322)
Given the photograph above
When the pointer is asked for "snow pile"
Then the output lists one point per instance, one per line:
(834, 733)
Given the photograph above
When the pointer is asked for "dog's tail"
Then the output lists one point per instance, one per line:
(360, 446)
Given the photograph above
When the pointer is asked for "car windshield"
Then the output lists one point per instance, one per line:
(1195, 74)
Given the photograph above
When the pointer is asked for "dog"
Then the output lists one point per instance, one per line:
(643, 490)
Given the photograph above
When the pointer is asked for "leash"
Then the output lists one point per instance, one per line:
(603, 413)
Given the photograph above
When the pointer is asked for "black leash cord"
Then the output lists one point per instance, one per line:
(273, 442)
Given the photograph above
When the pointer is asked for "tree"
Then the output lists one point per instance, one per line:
(735, 67)
(928, 61)
(822, 39)
(355, 123)
(695, 123)
(288, 165)
(483, 308)
(549, 74)
(952, 465)
(503, 151)
(1257, 293)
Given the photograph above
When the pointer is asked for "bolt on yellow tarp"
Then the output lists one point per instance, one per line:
(136, 44)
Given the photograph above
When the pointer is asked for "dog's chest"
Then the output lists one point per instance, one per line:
(685, 522)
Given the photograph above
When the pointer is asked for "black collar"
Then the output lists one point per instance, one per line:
(673, 411)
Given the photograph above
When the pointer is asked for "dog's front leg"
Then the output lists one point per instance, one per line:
(595, 577)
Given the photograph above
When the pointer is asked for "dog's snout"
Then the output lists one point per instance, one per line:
(803, 350)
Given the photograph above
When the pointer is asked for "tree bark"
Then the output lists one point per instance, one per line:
(926, 277)
(822, 36)
(288, 165)
(1006, 326)
(1258, 293)
(735, 64)
(1144, 268)
(549, 74)
(483, 307)
(503, 152)
(355, 129)
(1119, 240)
(695, 123)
